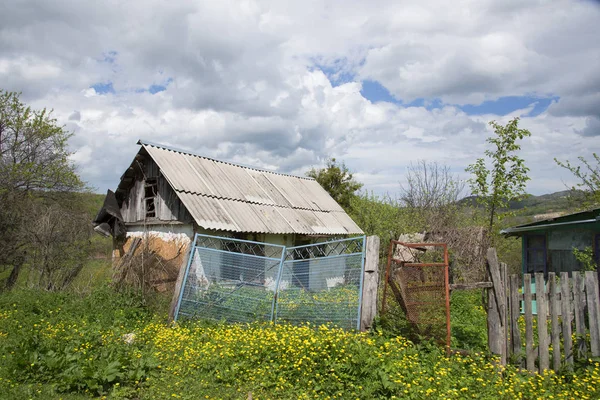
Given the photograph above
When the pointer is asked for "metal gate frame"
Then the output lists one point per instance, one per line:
(398, 293)
(312, 252)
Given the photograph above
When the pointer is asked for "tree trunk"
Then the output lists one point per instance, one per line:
(492, 214)
(14, 275)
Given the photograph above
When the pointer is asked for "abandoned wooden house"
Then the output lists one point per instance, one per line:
(166, 196)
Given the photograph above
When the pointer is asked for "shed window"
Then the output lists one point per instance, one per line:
(150, 190)
(535, 253)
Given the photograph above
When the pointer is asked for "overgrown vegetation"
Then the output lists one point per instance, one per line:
(44, 225)
(63, 345)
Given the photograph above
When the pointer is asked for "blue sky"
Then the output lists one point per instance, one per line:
(375, 92)
(107, 87)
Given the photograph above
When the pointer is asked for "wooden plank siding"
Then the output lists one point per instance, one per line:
(168, 207)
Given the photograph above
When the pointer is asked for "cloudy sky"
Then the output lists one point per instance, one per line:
(283, 85)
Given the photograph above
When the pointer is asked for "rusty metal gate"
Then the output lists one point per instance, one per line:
(417, 277)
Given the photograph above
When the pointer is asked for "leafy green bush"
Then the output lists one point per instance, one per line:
(75, 343)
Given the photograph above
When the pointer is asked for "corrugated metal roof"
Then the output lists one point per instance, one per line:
(229, 197)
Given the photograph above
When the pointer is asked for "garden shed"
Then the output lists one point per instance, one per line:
(167, 196)
(548, 244)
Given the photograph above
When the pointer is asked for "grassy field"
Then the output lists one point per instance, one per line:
(114, 345)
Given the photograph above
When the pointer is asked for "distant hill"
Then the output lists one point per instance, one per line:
(543, 206)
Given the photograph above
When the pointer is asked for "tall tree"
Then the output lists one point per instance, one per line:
(589, 179)
(338, 181)
(34, 164)
(506, 179)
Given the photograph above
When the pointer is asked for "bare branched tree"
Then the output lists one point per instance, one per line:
(430, 185)
(59, 244)
(431, 190)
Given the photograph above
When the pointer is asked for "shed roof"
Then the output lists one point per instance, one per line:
(582, 217)
(225, 196)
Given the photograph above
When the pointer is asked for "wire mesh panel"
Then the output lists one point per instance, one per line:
(322, 283)
(230, 279)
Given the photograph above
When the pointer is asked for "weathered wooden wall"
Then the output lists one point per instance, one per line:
(168, 207)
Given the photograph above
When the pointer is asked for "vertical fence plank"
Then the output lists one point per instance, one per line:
(542, 325)
(591, 290)
(579, 310)
(565, 304)
(506, 310)
(370, 283)
(496, 308)
(515, 312)
(529, 349)
(554, 310)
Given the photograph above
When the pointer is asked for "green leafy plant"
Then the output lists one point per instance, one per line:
(337, 180)
(586, 258)
(505, 180)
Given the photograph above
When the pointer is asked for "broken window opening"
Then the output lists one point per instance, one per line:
(150, 191)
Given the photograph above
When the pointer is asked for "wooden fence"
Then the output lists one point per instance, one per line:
(568, 317)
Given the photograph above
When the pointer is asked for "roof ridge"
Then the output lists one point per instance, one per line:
(176, 150)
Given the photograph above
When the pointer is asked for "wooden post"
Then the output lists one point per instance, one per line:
(370, 283)
(565, 303)
(529, 350)
(591, 290)
(515, 312)
(542, 316)
(555, 333)
(496, 320)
